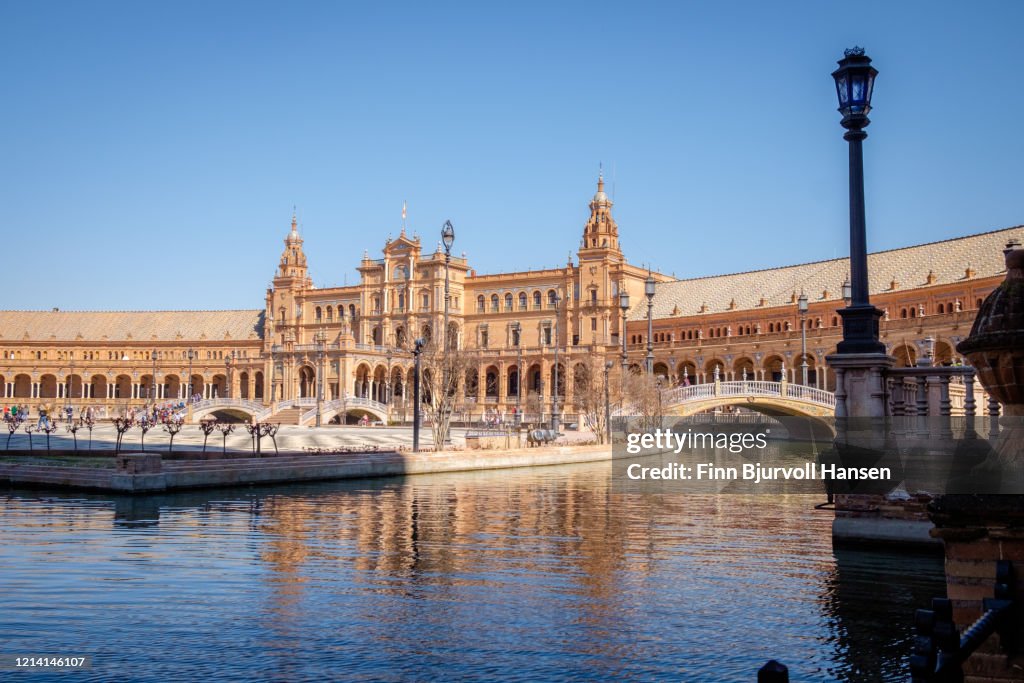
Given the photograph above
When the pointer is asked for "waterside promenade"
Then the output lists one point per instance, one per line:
(134, 471)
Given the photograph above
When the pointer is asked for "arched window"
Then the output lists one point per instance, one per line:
(978, 304)
(942, 308)
(536, 299)
(494, 303)
(330, 313)
(552, 298)
(522, 301)
(317, 313)
(913, 312)
(508, 302)
(903, 313)
(480, 304)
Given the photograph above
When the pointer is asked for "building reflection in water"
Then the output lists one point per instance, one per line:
(532, 572)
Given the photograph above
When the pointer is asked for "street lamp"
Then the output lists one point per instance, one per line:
(624, 307)
(152, 396)
(517, 331)
(554, 388)
(417, 350)
(847, 295)
(191, 354)
(607, 402)
(448, 239)
(388, 389)
(671, 369)
(227, 371)
(320, 338)
(801, 305)
(70, 386)
(649, 291)
(855, 79)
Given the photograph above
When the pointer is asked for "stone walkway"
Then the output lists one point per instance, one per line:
(290, 438)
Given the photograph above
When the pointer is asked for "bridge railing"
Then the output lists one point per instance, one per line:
(811, 394)
(344, 403)
(699, 392)
(250, 406)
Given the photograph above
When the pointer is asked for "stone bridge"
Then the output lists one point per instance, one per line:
(351, 405)
(238, 408)
(777, 399)
(296, 411)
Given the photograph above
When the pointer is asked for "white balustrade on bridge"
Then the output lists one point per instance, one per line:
(754, 388)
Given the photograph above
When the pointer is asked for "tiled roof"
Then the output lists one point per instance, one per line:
(138, 326)
(948, 261)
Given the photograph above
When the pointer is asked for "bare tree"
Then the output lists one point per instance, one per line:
(589, 394)
(641, 398)
(439, 384)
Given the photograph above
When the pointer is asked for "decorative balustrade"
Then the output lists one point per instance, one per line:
(929, 391)
(701, 392)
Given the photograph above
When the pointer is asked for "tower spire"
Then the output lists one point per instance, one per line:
(601, 232)
(403, 217)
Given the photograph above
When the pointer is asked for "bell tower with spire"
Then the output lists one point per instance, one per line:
(601, 232)
(292, 272)
(594, 313)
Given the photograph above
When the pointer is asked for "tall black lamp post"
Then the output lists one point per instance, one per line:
(624, 306)
(447, 239)
(191, 355)
(554, 388)
(320, 338)
(801, 306)
(228, 361)
(649, 291)
(517, 336)
(417, 350)
(153, 393)
(855, 79)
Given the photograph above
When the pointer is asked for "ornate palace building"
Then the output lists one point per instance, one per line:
(351, 345)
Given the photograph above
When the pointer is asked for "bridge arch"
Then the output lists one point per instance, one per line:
(227, 409)
(775, 399)
(341, 410)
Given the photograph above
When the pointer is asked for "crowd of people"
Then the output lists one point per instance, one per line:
(46, 414)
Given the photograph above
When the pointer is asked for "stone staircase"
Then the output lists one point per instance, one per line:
(287, 416)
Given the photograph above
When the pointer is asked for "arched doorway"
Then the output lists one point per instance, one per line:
(123, 387)
(491, 382)
(307, 382)
(512, 382)
(48, 386)
(773, 368)
(98, 386)
(22, 386)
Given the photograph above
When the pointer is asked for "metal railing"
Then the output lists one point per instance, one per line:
(940, 651)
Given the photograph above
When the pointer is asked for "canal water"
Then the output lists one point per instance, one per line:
(544, 574)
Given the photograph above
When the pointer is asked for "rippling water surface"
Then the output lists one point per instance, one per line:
(543, 574)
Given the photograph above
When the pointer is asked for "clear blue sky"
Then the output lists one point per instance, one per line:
(151, 153)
